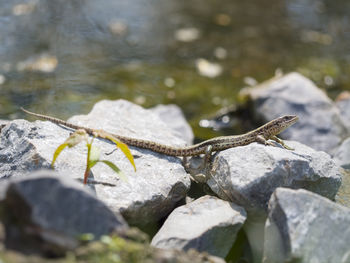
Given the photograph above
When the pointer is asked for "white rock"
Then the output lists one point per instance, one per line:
(149, 194)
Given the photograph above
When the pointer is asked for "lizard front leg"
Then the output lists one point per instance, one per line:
(276, 139)
(261, 139)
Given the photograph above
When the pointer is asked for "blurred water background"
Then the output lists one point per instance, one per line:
(60, 57)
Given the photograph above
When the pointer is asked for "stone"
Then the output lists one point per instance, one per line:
(206, 224)
(3, 123)
(320, 125)
(173, 116)
(343, 195)
(305, 227)
(248, 175)
(48, 212)
(148, 195)
(343, 104)
(342, 155)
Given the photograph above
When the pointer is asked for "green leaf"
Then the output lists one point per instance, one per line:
(92, 163)
(75, 138)
(57, 152)
(95, 153)
(124, 148)
(115, 168)
(86, 237)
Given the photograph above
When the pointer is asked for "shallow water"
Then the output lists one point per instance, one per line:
(61, 57)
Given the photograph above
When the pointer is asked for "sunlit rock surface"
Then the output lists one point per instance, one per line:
(173, 116)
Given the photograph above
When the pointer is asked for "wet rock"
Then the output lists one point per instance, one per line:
(320, 125)
(208, 69)
(343, 103)
(305, 227)
(149, 194)
(187, 34)
(48, 212)
(206, 224)
(249, 174)
(44, 63)
(342, 155)
(173, 116)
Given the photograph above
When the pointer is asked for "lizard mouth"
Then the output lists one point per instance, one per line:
(289, 120)
(294, 120)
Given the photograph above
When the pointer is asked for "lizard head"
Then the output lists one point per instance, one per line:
(278, 125)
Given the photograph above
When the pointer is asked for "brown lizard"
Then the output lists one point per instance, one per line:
(261, 135)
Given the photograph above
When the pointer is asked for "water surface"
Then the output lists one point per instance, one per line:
(61, 57)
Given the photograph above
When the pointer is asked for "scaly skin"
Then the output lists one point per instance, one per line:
(261, 135)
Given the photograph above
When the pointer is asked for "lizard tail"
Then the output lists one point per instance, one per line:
(57, 121)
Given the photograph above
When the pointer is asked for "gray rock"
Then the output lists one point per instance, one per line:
(343, 103)
(206, 224)
(48, 212)
(149, 194)
(173, 116)
(305, 227)
(4, 122)
(342, 155)
(343, 195)
(320, 125)
(249, 174)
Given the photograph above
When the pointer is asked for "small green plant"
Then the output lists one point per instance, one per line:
(93, 154)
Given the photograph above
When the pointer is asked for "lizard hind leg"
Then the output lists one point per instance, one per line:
(207, 156)
(202, 175)
(185, 162)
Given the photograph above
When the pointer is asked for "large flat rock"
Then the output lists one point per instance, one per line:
(305, 227)
(149, 193)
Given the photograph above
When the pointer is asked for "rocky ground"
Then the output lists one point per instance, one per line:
(260, 204)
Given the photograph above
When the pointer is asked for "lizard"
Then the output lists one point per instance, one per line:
(262, 134)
